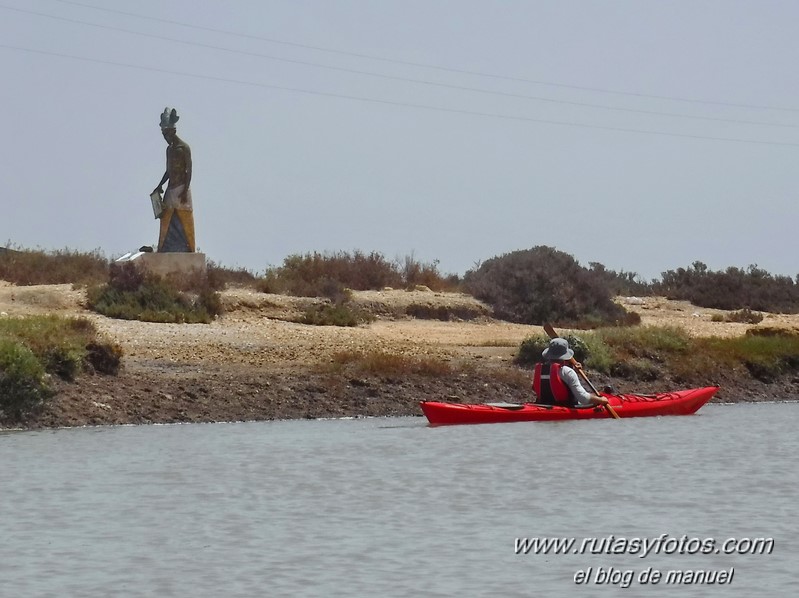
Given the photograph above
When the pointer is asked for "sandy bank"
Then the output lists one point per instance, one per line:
(253, 363)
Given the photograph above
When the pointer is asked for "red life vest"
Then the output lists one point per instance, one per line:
(549, 387)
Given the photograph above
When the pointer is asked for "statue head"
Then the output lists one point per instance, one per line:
(168, 120)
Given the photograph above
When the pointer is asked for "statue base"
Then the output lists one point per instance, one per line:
(167, 264)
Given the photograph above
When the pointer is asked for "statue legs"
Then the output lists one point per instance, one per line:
(177, 231)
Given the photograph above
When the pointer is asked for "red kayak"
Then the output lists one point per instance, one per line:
(681, 402)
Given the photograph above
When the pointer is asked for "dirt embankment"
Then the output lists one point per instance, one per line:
(255, 363)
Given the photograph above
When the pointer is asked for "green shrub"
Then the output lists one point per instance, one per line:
(529, 352)
(541, 285)
(745, 316)
(34, 347)
(132, 294)
(653, 342)
(650, 353)
(531, 348)
(23, 387)
(765, 357)
(594, 353)
(334, 315)
(599, 356)
(61, 345)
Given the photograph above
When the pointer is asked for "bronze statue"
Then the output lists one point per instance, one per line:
(177, 217)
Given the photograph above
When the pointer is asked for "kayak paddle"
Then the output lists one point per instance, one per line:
(573, 362)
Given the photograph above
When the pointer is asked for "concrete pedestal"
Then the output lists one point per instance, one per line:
(165, 264)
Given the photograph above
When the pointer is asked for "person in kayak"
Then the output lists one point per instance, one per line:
(556, 383)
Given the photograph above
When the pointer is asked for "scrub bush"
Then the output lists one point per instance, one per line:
(133, 294)
(329, 274)
(650, 341)
(416, 273)
(34, 348)
(23, 386)
(621, 283)
(531, 348)
(541, 285)
(334, 315)
(445, 313)
(26, 267)
(320, 275)
(731, 289)
(58, 344)
(104, 358)
(651, 353)
(220, 276)
(745, 316)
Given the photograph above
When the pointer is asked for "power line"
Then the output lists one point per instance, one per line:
(403, 79)
(395, 103)
(430, 66)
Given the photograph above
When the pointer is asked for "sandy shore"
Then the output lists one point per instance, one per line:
(253, 363)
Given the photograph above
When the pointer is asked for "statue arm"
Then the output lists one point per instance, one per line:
(187, 157)
(164, 179)
(188, 167)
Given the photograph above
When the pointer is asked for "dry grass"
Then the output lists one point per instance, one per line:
(495, 342)
(26, 267)
(330, 274)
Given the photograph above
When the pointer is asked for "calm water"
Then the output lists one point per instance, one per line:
(390, 507)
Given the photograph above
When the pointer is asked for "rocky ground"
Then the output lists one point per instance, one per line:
(254, 363)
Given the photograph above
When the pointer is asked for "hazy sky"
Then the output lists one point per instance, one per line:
(641, 134)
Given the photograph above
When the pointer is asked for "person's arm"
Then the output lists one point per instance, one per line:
(569, 377)
(595, 398)
(572, 380)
